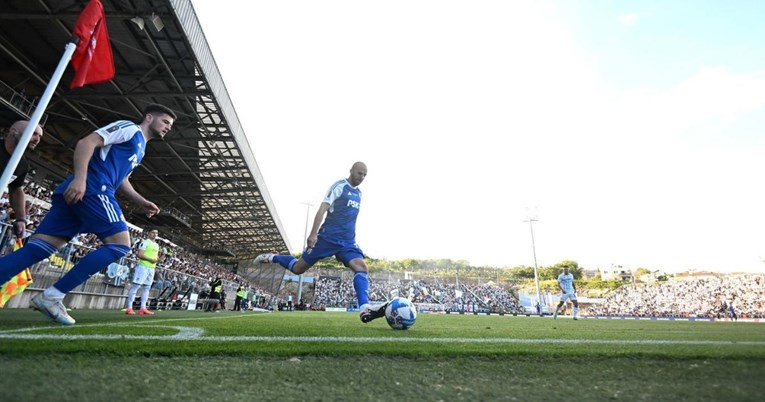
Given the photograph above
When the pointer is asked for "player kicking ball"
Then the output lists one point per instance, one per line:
(568, 292)
(336, 236)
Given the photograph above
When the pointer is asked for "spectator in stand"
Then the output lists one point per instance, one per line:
(216, 287)
(3, 213)
(337, 292)
(681, 298)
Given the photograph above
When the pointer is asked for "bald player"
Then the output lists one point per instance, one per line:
(16, 184)
(334, 234)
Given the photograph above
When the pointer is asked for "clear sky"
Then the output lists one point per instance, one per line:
(632, 130)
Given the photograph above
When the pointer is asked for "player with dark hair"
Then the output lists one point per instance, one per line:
(568, 292)
(143, 272)
(336, 236)
(85, 203)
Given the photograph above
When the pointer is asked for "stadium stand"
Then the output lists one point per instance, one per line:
(703, 298)
(205, 178)
(335, 291)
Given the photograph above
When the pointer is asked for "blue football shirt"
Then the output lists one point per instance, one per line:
(344, 202)
(123, 150)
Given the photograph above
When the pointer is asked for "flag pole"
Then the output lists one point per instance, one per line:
(37, 114)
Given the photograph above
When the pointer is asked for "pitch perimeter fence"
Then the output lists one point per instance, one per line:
(108, 289)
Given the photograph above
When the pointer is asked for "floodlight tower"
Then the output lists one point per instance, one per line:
(531, 220)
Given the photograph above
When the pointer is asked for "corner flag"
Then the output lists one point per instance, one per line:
(93, 63)
(92, 60)
(17, 284)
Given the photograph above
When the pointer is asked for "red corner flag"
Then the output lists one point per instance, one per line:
(92, 60)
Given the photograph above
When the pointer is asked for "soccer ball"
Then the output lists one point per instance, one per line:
(400, 313)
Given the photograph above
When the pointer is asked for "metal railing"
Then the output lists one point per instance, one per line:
(112, 282)
(19, 103)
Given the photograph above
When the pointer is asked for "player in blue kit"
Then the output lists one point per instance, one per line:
(568, 292)
(732, 311)
(336, 236)
(85, 203)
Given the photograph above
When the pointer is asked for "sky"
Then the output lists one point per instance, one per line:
(630, 132)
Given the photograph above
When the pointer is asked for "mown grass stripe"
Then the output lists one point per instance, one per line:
(195, 334)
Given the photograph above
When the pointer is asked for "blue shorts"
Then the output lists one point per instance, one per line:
(343, 252)
(99, 214)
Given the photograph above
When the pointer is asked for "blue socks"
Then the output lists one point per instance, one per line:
(90, 264)
(286, 261)
(361, 286)
(35, 251)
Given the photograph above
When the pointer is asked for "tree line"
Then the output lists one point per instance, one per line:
(460, 268)
(519, 277)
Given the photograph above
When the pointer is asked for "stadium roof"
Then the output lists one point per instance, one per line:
(204, 175)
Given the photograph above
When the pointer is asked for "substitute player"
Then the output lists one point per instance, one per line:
(568, 292)
(336, 236)
(85, 203)
(143, 272)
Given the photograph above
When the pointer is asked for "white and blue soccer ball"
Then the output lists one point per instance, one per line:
(400, 313)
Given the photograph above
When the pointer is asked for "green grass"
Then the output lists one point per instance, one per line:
(333, 356)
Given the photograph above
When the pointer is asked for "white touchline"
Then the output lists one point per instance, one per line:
(197, 334)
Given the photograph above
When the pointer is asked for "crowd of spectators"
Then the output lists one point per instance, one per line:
(331, 291)
(37, 204)
(710, 297)
(179, 269)
(183, 270)
(704, 298)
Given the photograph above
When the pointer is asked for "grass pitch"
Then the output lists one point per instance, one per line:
(319, 356)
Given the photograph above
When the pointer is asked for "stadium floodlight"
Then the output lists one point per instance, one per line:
(157, 22)
(155, 19)
(139, 22)
(531, 220)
